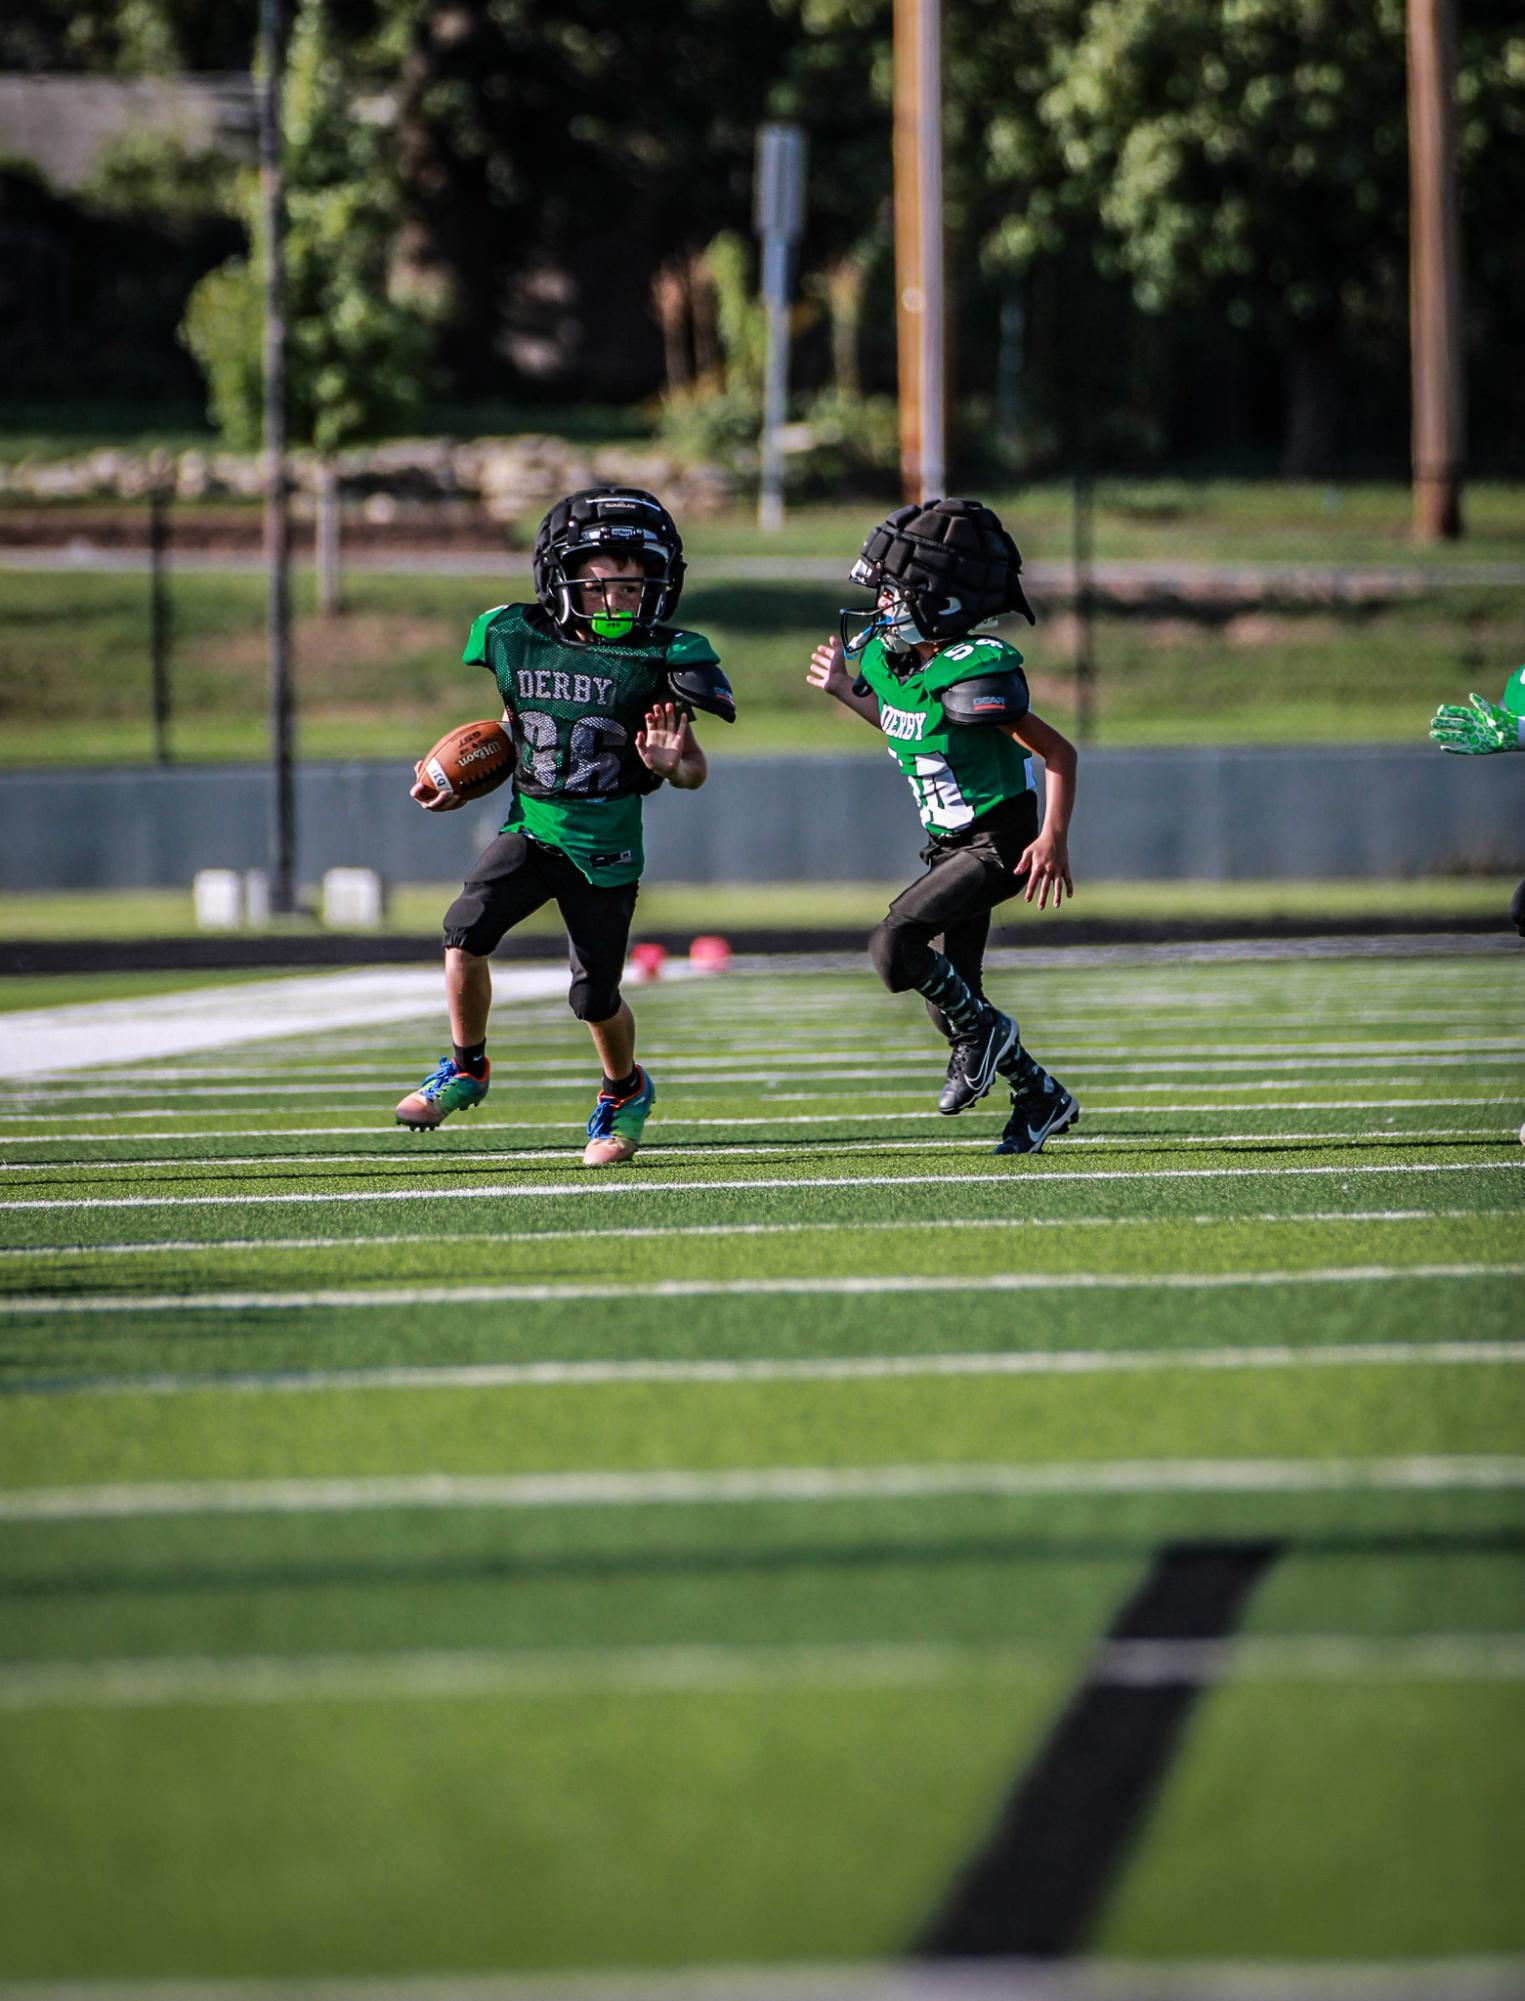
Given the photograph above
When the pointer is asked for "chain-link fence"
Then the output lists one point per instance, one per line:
(1171, 610)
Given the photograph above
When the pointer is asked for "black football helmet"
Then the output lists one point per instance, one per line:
(612, 521)
(947, 565)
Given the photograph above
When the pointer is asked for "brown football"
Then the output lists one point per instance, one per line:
(470, 761)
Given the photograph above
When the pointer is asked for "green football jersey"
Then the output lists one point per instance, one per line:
(956, 770)
(579, 781)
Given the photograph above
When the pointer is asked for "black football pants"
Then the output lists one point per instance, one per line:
(948, 909)
(511, 879)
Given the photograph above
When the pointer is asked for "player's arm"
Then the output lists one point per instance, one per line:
(473, 654)
(1477, 730)
(1046, 861)
(667, 746)
(828, 672)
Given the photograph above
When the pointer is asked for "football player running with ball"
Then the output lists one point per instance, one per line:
(599, 692)
(953, 704)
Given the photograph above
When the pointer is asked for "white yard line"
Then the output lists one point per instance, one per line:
(1476, 1978)
(431, 1675)
(479, 1125)
(220, 1246)
(864, 1285)
(101, 1034)
(660, 1151)
(912, 1094)
(825, 1054)
(605, 1186)
(763, 1484)
(796, 1069)
(824, 1369)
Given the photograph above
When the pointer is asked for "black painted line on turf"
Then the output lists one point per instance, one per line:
(1037, 1884)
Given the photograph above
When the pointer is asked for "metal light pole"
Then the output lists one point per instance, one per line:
(1439, 442)
(778, 216)
(919, 246)
(277, 528)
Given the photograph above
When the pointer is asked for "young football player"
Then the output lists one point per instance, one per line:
(599, 691)
(952, 702)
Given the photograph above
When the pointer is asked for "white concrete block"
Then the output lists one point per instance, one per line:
(354, 899)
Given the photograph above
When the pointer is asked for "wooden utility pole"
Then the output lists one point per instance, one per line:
(277, 523)
(1435, 334)
(919, 247)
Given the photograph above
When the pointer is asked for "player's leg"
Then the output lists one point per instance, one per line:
(963, 946)
(598, 932)
(506, 883)
(960, 886)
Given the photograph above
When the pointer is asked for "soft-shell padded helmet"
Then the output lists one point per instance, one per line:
(951, 564)
(610, 521)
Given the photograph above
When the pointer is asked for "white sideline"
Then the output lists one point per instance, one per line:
(838, 1368)
(601, 1185)
(680, 1487)
(355, 1297)
(99, 1034)
(174, 1681)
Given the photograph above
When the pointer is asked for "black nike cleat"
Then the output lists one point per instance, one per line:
(974, 1062)
(1042, 1108)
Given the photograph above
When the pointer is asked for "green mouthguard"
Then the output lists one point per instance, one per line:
(613, 624)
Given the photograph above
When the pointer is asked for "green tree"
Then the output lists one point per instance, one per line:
(1249, 158)
(358, 355)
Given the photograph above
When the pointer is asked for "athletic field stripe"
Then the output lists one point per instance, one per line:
(866, 1284)
(602, 1186)
(907, 1094)
(210, 1246)
(853, 1114)
(824, 1049)
(829, 1368)
(815, 1484)
(799, 1069)
(766, 1150)
(431, 1675)
(1475, 1978)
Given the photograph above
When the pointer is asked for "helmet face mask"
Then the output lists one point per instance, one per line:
(895, 619)
(619, 522)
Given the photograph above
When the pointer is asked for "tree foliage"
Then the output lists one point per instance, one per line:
(358, 357)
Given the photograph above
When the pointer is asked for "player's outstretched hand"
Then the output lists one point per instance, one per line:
(1046, 864)
(828, 670)
(663, 741)
(1476, 730)
(428, 798)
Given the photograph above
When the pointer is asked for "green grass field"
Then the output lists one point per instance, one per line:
(422, 1556)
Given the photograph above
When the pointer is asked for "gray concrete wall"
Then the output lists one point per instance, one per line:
(63, 124)
(1143, 814)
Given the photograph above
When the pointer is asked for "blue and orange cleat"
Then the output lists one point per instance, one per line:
(614, 1131)
(445, 1090)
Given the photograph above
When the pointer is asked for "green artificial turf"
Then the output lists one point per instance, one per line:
(476, 1730)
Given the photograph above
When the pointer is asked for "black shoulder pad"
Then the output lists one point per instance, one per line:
(988, 698)
(701, 684)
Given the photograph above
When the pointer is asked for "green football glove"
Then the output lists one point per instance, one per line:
(1477, 730)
